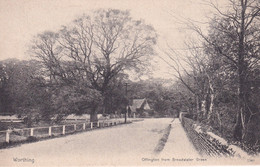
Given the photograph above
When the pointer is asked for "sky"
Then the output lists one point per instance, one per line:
(21, 20)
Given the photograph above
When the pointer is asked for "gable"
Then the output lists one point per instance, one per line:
(139, 104)
(146, 106)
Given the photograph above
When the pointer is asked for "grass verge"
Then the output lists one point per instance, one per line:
(159, 147)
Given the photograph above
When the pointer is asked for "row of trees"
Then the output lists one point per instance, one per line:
(223, 71)
(27, 92)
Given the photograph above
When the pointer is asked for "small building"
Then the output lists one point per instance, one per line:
(139, 107)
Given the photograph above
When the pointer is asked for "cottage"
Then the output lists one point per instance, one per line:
(139, 106)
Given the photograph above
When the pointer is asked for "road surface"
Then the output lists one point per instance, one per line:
(130, 144)
(118, 145)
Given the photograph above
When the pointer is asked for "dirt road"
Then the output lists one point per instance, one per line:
(119, 145)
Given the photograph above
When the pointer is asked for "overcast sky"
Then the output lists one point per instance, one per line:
(20, 20)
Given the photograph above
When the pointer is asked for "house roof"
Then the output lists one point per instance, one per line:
(139, 103)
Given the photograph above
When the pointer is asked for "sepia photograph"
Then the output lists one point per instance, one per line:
(129, 82)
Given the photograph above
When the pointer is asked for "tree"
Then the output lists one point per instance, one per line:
(191, 70)
(6, 71)
(95, 49)
(231, 58)
(234, 37)
(73, 100)
(23, 90)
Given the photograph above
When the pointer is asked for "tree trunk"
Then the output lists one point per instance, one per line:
(203, 106)
(238, 127)
(219, 122)
(198, 108)
(212, 101)
(240, 130)
(106, 102)
(93, 116)
(211, 106)
(195, 114)
(104, 111)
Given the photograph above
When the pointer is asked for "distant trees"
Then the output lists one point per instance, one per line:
(159, 93)
(94, 50)
(22, 90)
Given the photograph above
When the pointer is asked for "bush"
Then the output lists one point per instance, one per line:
(32, 139)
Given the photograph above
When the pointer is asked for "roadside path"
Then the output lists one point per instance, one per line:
(178, 144)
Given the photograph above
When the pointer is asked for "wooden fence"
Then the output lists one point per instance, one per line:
(19, 135)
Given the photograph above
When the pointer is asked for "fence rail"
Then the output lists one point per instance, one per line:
(18, 135)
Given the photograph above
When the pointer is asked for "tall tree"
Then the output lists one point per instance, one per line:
(96, 49)
(232, 46)
(235, 37)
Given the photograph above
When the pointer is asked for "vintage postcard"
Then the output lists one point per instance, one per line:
(129, 82)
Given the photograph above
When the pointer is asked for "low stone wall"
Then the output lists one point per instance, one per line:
(207, 143)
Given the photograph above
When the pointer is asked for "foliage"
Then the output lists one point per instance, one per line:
(222, 71)
(23, 92)
(95, 50)
(159, 94)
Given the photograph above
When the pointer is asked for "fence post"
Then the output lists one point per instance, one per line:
(7, 137)
(50, 131)
(63, 130)
(31, 132)
(98, 124)
(75, 127)
(91, 125)
(84, 126)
